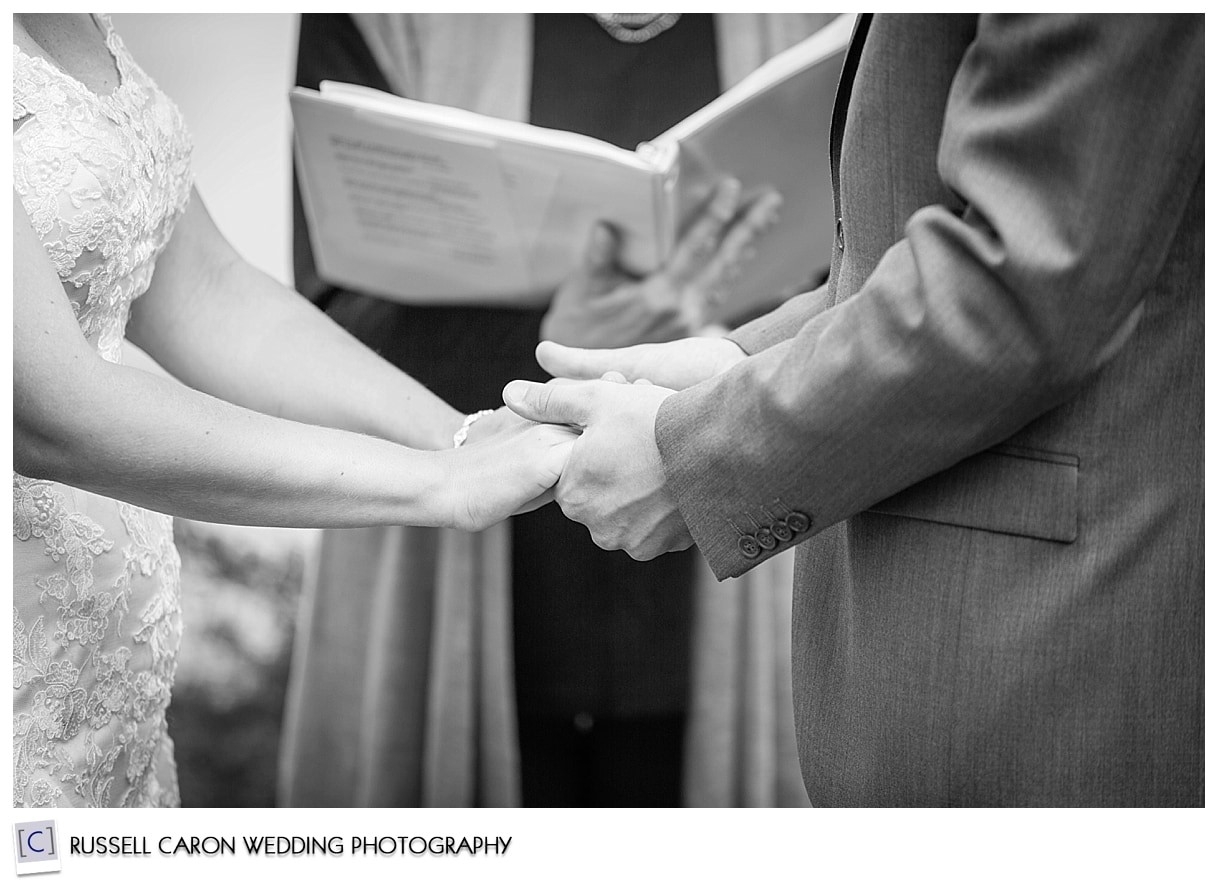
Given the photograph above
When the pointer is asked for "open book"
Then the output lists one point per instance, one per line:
(424, 203)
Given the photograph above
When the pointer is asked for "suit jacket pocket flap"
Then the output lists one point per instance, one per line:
(1006, 489)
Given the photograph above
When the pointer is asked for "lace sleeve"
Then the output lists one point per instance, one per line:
(20, 108)
(33, 86)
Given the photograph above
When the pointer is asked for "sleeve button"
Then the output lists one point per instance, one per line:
(765, 538)
(799, 522)
(781, 531)
(749, 546)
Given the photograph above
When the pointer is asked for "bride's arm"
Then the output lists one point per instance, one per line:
(225, 328)
(129, 434)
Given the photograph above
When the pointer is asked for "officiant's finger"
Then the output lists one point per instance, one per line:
(700, 241)
(565, 404)
(583, 364)
(598, 271)
(739, 244)
(749, 226)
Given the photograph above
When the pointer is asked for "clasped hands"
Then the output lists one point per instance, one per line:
(614, 481)
(610, 477)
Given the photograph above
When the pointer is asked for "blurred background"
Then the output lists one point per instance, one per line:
(230, 75)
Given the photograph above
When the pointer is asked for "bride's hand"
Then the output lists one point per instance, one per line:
(510, 469)
(489, 427)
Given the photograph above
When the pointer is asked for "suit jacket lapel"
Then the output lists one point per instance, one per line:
(842, 101)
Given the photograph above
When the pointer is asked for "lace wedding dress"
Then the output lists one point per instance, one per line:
(96, 620)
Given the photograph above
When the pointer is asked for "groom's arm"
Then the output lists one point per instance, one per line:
(970, 326)
(1075, 166)
(782, 323)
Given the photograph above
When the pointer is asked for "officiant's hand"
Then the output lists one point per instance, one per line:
(614, 481)
(676, 365)
(602, 305)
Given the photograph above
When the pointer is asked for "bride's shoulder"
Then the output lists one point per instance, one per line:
(23, 43)
(31, 74)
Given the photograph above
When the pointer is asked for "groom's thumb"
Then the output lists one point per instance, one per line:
(581, 364)
(566, 403)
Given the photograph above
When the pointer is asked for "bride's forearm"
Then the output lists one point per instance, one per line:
(225, 328)
(285, 357)
(152, 442)
(134, 435)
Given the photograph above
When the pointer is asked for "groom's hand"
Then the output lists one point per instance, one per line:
(676, 365)
(614, 482)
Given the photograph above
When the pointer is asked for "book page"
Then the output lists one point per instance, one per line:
(456, 119)
(530, 181)
(401, 210)
(770, 131)
(435, 205)
(826, 44)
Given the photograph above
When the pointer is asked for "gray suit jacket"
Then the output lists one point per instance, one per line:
(991, 417)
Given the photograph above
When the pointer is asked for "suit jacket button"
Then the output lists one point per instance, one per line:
(749, 546)
(765, 538)
(799, 522)
(781, 531)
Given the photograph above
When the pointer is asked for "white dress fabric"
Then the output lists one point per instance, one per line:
(96, 617)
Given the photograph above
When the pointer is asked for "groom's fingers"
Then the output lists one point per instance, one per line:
(581, 364)
(565, 403)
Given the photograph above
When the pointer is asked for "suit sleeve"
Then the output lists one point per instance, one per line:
(781, 323)
(1074, 143)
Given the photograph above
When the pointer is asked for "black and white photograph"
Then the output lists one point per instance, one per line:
(608, 411)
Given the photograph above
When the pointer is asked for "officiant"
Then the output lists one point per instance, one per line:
(525, 665)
